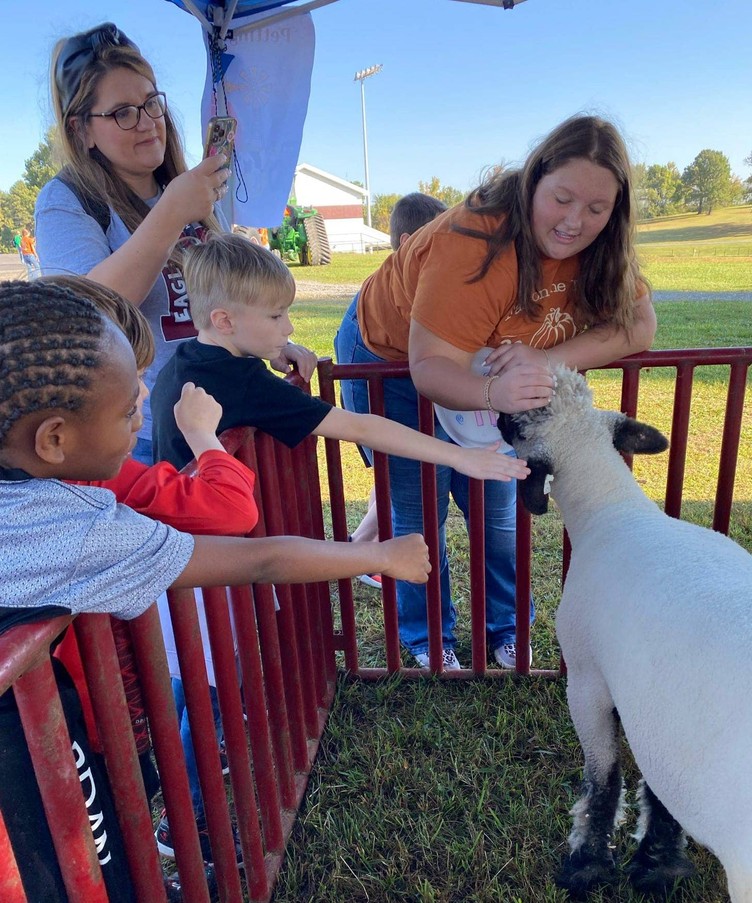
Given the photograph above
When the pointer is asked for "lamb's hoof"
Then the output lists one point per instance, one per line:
(581, 872)
(656, 877)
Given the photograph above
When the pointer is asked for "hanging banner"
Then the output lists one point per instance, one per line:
(263, 79)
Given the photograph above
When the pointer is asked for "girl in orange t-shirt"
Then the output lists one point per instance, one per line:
(536, 268)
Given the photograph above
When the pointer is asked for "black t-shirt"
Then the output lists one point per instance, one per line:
(250, 395)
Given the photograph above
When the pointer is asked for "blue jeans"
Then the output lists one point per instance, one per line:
(32, 266)
(401, 404)
(142, 451)
(185, 739)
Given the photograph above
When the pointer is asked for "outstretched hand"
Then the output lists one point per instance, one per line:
(298, 356)
(489, 464)
(407, 558)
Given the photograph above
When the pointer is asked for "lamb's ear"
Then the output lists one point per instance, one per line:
(635, 438)
(534, 487)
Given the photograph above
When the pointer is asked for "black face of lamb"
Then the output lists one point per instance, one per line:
(633, 437)
(660, 859)
(508, 428)
(591, 864)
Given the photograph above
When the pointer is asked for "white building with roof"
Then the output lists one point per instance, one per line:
(341, 204)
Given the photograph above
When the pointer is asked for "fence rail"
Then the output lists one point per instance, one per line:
(275, 670)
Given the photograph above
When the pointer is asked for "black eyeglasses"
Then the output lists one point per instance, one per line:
(128, 117)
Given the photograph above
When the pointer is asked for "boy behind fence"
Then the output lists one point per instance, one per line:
(240, 300)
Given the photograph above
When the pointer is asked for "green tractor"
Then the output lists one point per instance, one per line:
(301, 237)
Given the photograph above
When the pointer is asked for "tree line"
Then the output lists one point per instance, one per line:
(660, 190)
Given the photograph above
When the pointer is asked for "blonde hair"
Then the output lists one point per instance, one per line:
(89, 170)
(124, 314)
(229, 269)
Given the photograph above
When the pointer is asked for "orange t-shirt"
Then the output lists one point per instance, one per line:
(28, 245)
(427, 279)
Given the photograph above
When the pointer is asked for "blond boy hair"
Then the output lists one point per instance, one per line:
(230, 270)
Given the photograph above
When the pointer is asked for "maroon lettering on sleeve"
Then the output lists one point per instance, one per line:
(177, 323)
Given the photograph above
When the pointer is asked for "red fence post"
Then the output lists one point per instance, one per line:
(50, 748)
(114, 725)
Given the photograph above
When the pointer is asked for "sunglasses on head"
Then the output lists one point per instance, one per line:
(79, 52)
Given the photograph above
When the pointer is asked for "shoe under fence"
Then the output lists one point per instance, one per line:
(275, 667)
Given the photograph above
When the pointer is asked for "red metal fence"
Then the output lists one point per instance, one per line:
(275, 695)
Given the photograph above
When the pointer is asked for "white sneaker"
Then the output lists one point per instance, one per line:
(448, 658)
(506, 655)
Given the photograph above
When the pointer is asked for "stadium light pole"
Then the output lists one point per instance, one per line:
(361, 77)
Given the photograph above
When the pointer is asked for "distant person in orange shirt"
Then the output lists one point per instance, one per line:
(28, 251)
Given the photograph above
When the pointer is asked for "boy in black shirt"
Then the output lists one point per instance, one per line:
(240, 300)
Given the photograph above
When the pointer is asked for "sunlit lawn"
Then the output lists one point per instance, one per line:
(434, 792)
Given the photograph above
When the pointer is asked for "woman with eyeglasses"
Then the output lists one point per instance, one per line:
(125, 200)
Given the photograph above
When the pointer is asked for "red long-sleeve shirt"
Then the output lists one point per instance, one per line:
(218, 500)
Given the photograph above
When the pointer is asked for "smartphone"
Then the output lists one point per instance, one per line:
(220, 137)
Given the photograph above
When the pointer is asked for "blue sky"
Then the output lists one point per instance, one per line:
(463, 87)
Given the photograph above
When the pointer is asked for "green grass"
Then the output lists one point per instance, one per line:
(446, 792)
(727, 230)
(344, 268)
(440, 792)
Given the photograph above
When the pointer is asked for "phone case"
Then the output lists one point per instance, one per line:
(220, 137)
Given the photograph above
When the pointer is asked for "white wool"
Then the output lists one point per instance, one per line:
(656, 620)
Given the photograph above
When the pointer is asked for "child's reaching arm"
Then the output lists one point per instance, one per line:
(223, 561)
(393, 438)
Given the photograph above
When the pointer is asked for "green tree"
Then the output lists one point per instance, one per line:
(40, 167)
(737, 191)
(381, 210)
(663, 188)
(446, 193)
(747, 183)
(707, 181)
(18, 206)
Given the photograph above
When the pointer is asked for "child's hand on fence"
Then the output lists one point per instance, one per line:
(197, 415)
(488, 464)
(303, 359)
(407, 558)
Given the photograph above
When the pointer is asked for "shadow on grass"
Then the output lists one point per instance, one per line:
(700, 232)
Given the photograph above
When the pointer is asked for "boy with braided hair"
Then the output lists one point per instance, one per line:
(217, 500)
(69, 394)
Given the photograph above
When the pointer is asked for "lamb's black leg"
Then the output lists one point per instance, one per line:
(591, 860)
(660, 858)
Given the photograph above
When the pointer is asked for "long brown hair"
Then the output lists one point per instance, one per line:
(609, 279)
(90, 170)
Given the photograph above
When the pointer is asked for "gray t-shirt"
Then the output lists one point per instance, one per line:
(76, 549)
(72, 242)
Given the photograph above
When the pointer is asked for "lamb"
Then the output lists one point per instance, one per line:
(655, 624)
